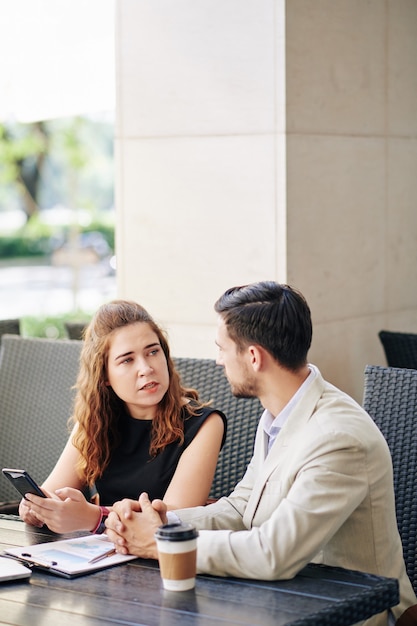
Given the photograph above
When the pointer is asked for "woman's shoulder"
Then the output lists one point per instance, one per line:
(195, 414)
(195, 408)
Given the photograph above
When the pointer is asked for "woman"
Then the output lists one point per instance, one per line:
(135, 428)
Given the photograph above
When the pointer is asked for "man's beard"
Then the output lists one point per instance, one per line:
(245, 390)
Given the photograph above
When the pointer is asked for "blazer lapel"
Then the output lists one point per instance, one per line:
(276, 458)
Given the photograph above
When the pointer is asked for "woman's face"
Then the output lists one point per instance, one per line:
(137, 369)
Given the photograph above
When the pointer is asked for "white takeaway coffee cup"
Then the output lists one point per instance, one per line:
(177, 555)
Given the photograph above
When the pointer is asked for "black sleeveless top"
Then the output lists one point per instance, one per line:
(131, 469)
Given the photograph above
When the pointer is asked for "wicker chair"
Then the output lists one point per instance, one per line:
(10, 327)
(400, 348)
(390, 397)
(36, 380)
(242, 419)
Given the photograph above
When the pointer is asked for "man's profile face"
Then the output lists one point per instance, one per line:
(236, 364)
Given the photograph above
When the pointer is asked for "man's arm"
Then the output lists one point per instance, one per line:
(295, 525)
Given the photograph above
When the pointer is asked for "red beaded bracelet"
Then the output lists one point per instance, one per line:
(100, 527)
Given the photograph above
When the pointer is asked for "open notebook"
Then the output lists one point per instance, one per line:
(12, 570)
(71, 557)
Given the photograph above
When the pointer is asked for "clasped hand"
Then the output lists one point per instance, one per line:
(132, 524)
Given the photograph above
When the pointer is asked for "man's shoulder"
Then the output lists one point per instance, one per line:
(338, 413)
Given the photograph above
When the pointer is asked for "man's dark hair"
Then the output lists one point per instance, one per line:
(276, 317)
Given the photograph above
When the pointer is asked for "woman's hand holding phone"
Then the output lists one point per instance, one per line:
(63, 511)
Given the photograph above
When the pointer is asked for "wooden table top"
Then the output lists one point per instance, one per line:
(132, 594)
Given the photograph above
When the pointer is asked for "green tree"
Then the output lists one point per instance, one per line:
(23, 148)
(67, 162)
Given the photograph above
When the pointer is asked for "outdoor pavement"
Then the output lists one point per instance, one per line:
(46, 290)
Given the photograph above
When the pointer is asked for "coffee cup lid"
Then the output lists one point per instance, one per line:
(176, 532)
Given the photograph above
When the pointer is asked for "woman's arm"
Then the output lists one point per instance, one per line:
(191, 483)
(64, 473)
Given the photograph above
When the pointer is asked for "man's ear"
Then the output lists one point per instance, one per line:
(256, 357)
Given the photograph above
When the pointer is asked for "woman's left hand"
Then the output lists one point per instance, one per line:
(64, 511)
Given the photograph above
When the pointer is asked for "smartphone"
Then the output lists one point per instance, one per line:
(23, 482)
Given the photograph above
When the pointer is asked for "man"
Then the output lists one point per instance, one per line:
(319, 487)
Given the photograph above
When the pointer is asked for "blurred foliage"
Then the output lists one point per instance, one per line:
(17, 145)
(52, 327)
(67, 162)
(22, 153)
(50, 169)
(15, 246)
(39, 239)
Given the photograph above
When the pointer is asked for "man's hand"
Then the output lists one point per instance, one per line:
(160, 507)
(131, 526)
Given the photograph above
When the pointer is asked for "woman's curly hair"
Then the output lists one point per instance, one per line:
(97, 408)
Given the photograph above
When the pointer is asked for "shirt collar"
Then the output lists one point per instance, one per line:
(270, 421)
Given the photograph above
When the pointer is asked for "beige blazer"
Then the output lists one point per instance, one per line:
(323, 494)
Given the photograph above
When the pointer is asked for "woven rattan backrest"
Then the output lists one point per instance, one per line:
(36, 397)
(390, 397)
(242, 419)
(400, 348)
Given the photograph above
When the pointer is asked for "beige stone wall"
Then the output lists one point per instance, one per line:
(352, 175)
(270, 140)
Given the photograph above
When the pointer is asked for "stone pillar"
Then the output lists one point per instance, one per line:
(270, 140)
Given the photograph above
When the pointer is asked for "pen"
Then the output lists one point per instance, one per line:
(103, 556)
